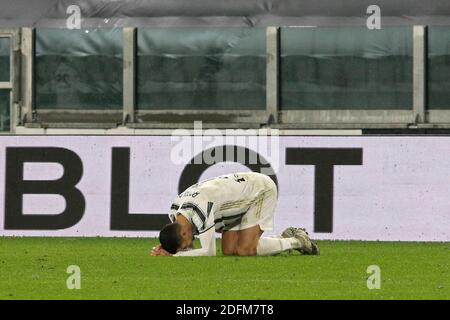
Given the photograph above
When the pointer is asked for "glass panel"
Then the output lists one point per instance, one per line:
(438, 68)
(79, 69)
(5, 59)
(201, 68)
(4, 110)
(346, 68)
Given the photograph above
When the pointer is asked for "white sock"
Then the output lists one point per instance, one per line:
(268, 246)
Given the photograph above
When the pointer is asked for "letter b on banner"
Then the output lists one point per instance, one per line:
(16, 187)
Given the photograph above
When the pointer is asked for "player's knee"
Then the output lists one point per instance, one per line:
(229, 251)
(246, 251)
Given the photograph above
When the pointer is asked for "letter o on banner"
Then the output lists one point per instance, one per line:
(195, 168)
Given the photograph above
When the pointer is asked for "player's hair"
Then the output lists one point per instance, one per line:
(170, 237)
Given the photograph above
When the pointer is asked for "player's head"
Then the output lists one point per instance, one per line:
(174, 237)
(170, 237)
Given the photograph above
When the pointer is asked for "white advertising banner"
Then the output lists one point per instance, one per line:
(344, 187)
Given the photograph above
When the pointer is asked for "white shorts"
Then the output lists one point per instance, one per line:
(262, 211)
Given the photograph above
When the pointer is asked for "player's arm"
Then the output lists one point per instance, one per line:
(208, 243)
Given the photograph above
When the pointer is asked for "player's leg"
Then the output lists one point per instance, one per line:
(250, 243)
(258, 219)
(264, 213)
(248, 240)
(307, 246)
(243, 243)
(269, 246)
(230, 242)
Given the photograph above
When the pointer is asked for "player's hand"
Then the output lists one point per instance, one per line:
(155, 250)
(159, 251)
(163, 252)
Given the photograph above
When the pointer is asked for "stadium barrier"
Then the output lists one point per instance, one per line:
(282, 77)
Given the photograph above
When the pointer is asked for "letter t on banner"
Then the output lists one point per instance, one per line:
(324, 160)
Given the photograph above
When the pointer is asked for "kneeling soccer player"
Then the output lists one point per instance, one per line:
(241, 206)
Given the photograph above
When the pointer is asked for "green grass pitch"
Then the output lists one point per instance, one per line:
(120, 268)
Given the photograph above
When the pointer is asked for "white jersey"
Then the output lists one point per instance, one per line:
(219, 204)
